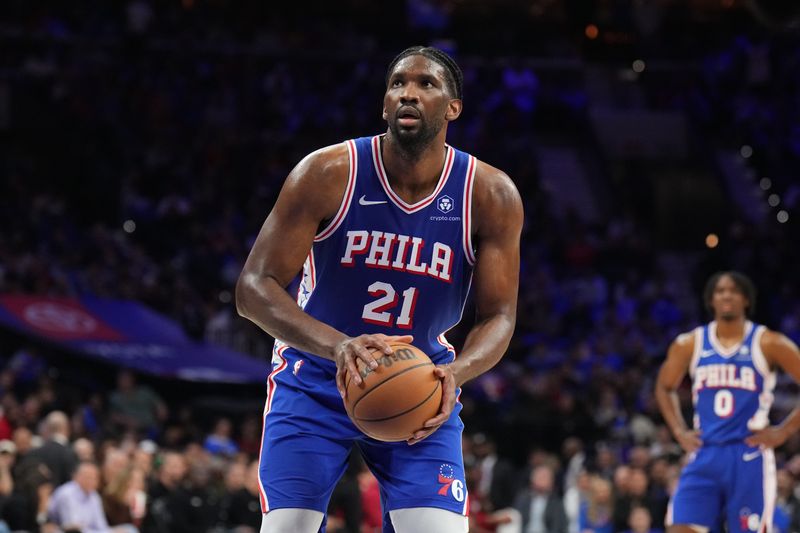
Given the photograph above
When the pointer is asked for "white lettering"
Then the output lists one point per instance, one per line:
(381, 249)
(722, 376)
(416, 250)
(748, 378)
(441, 262)
(403, 253)
(400, 256)
(357, 242)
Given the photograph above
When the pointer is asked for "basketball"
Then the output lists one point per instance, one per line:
(394, 400)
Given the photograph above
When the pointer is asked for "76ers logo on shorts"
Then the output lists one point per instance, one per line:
(450, 483)
(748, 521)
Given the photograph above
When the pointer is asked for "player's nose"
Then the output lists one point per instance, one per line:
(409, 94)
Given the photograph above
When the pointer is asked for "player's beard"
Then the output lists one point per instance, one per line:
(413, 143)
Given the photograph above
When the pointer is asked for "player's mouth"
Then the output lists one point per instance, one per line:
(408, 116)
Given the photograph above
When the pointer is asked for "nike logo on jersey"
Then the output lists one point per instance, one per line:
(750, 456)
(363, 201)
(707, 353)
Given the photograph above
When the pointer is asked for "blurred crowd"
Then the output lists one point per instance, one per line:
(143, 144)
(118, 461)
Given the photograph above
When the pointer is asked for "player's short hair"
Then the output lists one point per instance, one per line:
(455, 78)
(742, 282)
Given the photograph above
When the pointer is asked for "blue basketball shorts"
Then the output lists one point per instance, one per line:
(307, 437)
(730, 482)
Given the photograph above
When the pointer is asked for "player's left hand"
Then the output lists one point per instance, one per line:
(770, 437)
(444, 373)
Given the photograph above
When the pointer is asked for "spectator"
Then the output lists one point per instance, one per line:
(639, 521)
(84, 449)
(244, 512)
(197, 506)
(498, 478)
(597, 511)
(574, 498)
(143, 456)
(76, 505)
(136, 408)
(640, 494)
(164, 493)
(219, 441)
(26, 508)
(8, 452)
(115, 462)
(56, 453)
(541, 509)
(120, 497)
(787, 509)
(250, 436)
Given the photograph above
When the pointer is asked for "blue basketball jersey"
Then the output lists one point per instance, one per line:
(731, 388)
(382, 265)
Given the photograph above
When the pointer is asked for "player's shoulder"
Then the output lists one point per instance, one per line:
(494, 179)
(684, 342)
(772, 339)
(326, 162)
(494, 190)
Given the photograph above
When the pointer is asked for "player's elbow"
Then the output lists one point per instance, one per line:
(663, 389)
(243, 293)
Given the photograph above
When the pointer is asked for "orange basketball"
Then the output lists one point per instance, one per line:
(395, 399)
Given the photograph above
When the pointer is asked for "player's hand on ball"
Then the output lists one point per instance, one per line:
(444, 373)
(770, 437)
(352, 348)
(689, 439)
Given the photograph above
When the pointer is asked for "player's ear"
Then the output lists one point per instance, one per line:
(384, 114)
(453, 109)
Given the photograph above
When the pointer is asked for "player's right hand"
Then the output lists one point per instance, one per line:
(689, 439)
(351, 348)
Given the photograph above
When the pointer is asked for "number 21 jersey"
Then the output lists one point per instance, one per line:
(382, 265)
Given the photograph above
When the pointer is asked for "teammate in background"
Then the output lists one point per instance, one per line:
(730, 476)
(388, 233)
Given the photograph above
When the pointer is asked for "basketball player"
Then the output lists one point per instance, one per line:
(730, 476)
(388, 232)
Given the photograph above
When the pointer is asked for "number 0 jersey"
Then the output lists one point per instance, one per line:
(385, 266)
(731, 388)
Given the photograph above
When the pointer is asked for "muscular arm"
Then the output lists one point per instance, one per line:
(674, 369)
(497, 210)
(779, 351)
(312, 194)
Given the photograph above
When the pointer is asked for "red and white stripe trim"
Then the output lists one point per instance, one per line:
(770, 489)
(278, 352)
(466, 209)
(444, 342)
(313, 269)
(348, 195)
(377, 159)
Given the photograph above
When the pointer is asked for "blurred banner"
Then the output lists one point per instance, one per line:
(128, 334)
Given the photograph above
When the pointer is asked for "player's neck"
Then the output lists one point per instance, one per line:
(413, 176)
(731, 329)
